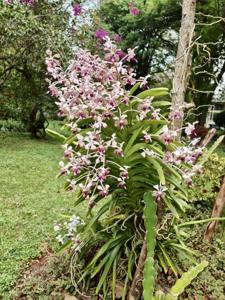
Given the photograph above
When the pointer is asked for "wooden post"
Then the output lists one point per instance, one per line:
(216, 213)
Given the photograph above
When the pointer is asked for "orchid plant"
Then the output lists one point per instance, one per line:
(121, 145)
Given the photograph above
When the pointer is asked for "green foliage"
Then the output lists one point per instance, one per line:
(209, 284)
(150, 224)
(112, 235)
(185, 280)
(178, 288)
(11, 125)
(154, 33)
(153, 23)
(207, 184)
(26, 33)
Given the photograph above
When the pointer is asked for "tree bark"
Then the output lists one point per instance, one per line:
(183, 61)
(216, 213)
(208, 137)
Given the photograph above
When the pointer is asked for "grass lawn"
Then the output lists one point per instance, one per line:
(31, 199)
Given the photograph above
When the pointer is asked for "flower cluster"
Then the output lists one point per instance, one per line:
(93, 88)
(159, 192)
(133, 9)
(101, 34)
(93, 96)
(180, 158)
(69, 231)
(77, 9)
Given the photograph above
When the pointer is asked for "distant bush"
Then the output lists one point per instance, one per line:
(9, 107)
(11, 125)
(207, 184)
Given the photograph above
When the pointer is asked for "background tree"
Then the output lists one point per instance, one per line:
(27, 31)
(154, 31)
(183, 62)
(151, 31)
(208, 54)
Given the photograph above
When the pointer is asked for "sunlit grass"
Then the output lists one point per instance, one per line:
(31, 199)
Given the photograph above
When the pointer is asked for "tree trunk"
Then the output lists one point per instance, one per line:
(216, 213)
(183, 61)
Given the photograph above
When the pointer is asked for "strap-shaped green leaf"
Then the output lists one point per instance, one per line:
(134, 88)
(132, 139)
(160, 103)
(107, 268)
(159, 169)
(56, 135)
(168, 259)
(156, 92)
(135, 148)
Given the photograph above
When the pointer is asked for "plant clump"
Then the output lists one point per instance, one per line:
(122, 146)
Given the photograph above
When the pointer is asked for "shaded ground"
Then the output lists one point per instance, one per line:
(31, 199)
(45, 277)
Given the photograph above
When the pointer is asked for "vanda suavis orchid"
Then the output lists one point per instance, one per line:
(122, 145)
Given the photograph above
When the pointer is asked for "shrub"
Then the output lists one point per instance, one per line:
(122, 150)
(207, 184)
(210, 284)
(11, 125)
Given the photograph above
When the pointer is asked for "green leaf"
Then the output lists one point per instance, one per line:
(56, 135)
(97, 269)
(106, 247)
(162, 263)
(131, 261)
(150, 224)
(132, 139)
(201, 221)
(167, 259)
(156, 92)
(160, 103)
(171, 207)
(70, 140)
(101, 211)
(125, 288)
(135, 148)
(185, 280)
(114, 278)
(107, 268)
(134, 88)
(159, 169)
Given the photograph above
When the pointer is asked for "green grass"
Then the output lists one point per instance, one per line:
(31, 199)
